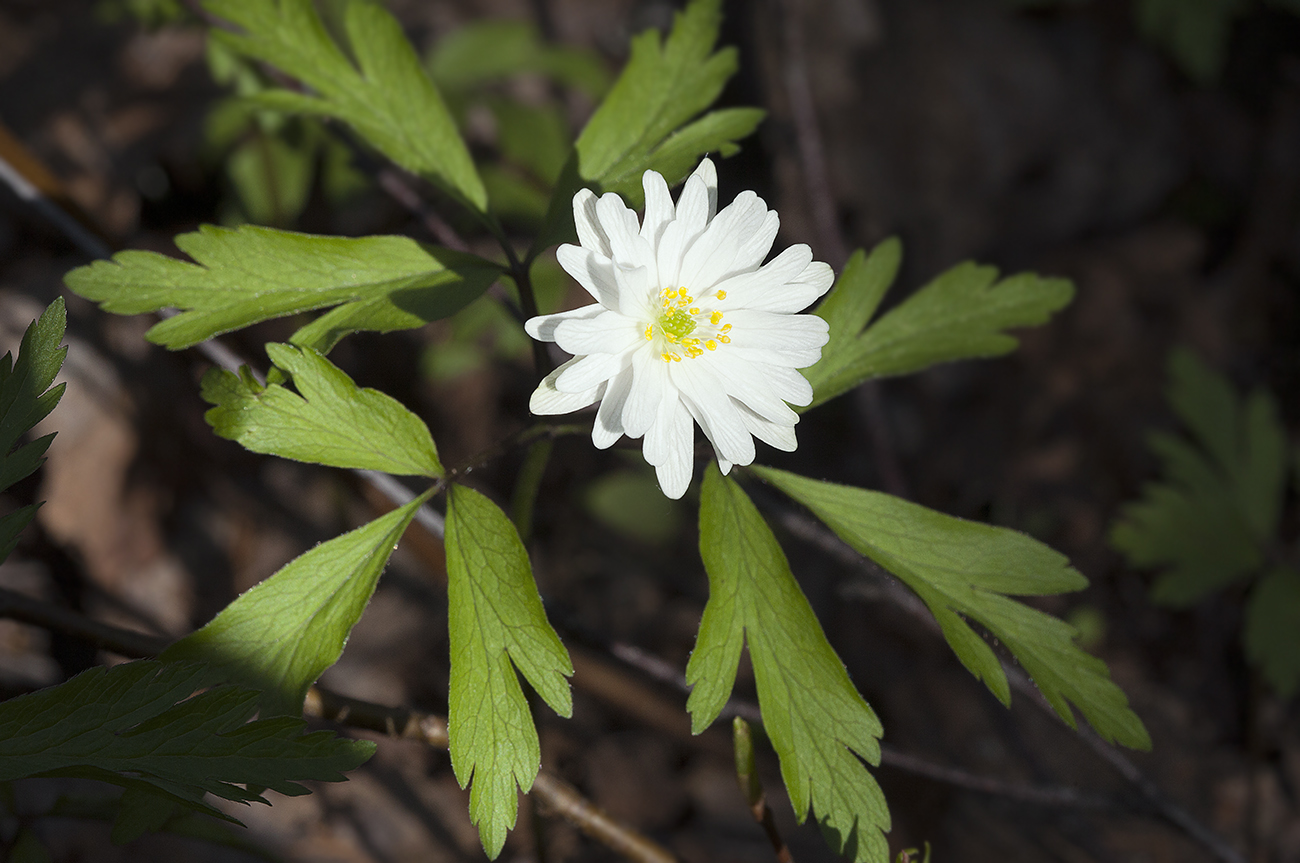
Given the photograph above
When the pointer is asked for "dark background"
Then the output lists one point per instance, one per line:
(1053, 139)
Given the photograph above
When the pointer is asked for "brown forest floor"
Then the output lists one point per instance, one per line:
(1059, 142)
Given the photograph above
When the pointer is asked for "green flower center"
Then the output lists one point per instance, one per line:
(677, 323)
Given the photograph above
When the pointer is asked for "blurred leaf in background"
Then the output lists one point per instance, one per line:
(1213, 519)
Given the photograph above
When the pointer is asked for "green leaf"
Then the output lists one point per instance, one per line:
(27, 397)
(964, 569)
(252, 274)
(330, 420)
(375, 83)
(665, 84)
(960, 314)
(495, 616)
(162, 730)
(1211, 520)
(1195, 33)
(279, 636)
(1272, 629)
(815, 718)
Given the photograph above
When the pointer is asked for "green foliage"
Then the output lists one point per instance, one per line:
(960, 314)
(645, 121)
(966, 570)
(640, 125)
(27, 397)
(252, 274)
(1195, 33)
(1272, 629)
(374, 82)
(1213, 519)
(1209, 523)
(330, 420)
(495, 617)
(279, 636)
(162, 731)
(488, 51)
(815, 718)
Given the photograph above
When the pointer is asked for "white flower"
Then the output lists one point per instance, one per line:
(686, 324)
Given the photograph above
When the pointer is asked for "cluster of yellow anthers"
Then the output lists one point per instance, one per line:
(678, 321)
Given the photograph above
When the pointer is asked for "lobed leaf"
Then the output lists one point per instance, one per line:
(962, 313)
(250, 274)
(645, 123)
(330, 420)
(1209, 523)
(280, 635)
(27, 395)
(495, 617)
(818, 723)
(963, 569)
(166, 734)
(374, 82)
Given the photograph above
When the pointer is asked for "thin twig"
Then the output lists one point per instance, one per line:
(402, 190)
(1041, 795)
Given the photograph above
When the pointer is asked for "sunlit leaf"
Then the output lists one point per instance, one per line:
(252, 274)
(817, 722)
(329, 420)
(967, 570)
(279, 636)
(495, 618)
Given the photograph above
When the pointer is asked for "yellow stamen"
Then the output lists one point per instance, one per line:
(726, 340)
(716, 318)
(649, 332)
(711, 345)
(693, 352)
(722, 295)
(726, 328)
(695, 311)
(667, 357)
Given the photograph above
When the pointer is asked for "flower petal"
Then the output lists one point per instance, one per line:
(606, 333)
(782, 340)
(589, 371)
(650, 386)
(775, 435)
(777, 286)
(609, 422)
(594, 271)
(634, 288)
(629, 248)
(547, 400)
(708, 174)
(712, 256)
(670, 446)
(745, 383)
(714, 411)
(659, 209)
(788, 384)
(590, 233)
(543, 327)
(754, 248)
